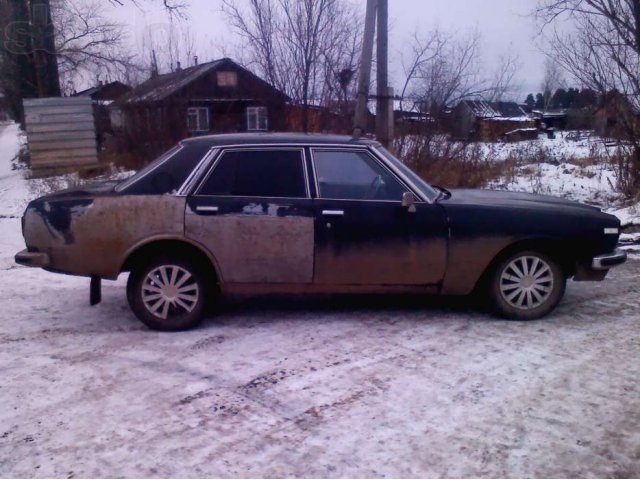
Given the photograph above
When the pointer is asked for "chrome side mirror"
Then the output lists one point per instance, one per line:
(409, 202)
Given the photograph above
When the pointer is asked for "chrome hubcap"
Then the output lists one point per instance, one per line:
(169, 289)
(526, 282)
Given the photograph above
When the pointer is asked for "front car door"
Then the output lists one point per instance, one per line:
(363, 234)
(253, 212)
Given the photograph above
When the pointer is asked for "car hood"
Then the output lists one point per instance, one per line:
(505, 199)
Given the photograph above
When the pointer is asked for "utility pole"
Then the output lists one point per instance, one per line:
(360, 120)
(384, 108)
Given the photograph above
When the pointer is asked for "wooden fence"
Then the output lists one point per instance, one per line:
(61, 134)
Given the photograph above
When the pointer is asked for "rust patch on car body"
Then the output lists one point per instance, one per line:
(95, 239)
(469, 258)
(257, 243)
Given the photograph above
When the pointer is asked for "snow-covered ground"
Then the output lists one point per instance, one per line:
(310, 387)
(566, 146)
(593, 184)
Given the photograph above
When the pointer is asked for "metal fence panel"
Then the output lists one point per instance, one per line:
(61, 134)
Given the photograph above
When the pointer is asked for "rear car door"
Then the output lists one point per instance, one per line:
(363, 234)
(253, 212)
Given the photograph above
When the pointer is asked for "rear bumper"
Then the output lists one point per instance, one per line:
(608, 260)
(32, 259)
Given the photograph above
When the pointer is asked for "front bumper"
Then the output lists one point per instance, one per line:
(608, 260)
(32, 259)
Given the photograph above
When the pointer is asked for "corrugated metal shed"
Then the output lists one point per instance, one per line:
(61, 134)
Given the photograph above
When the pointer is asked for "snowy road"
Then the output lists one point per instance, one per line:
(319, 387)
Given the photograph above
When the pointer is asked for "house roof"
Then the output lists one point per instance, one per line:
(109, 90)
(496, 110)
(162, 86)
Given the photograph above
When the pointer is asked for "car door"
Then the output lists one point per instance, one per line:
(363, 233)
(253, 212)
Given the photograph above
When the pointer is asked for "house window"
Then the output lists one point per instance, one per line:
(257, 118)
(198, 119)
(227, 79)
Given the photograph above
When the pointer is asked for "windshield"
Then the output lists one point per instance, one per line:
(426, 189)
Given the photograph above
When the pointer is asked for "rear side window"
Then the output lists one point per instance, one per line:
(167, 173)
(258, 173)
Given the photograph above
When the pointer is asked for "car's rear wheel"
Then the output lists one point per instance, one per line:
(527, 285)
(167, 294)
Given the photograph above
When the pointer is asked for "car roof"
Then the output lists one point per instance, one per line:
(279, 138)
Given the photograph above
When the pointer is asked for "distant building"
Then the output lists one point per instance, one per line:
(547, 119)
(105, 92)
(411, 122)
(215, 97)
(521, 134)
(487, 121)
(336, 118)
(103, 95)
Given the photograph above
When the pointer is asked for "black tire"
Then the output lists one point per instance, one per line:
(526, 285)
(168, 306)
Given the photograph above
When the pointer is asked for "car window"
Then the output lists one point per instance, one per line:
(257, 173)
(354, 175)
(167, 173)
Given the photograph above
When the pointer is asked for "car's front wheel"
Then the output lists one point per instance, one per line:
(167, 294)
(527, 285)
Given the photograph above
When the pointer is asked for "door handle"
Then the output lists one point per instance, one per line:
(206, 208)
(333, 213)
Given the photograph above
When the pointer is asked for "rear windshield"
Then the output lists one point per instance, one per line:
(167, 173)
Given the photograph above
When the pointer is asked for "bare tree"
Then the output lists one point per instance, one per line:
(88, 45)
(503, 83)
(552, 80)
(424, 49)
(602, 52)
(442, 70)
(306, 48)
(175, 8)
(172, 45)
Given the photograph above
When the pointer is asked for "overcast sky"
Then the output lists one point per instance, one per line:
(503, 24)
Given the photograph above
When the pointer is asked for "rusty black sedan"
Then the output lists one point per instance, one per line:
(311, 213)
